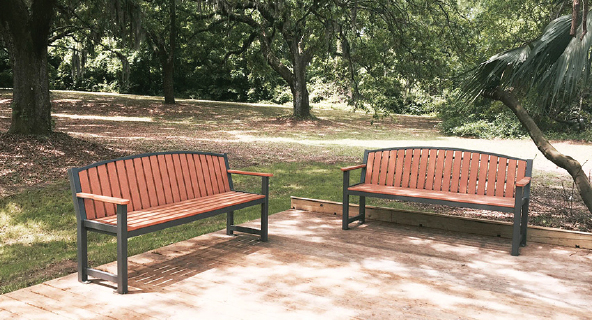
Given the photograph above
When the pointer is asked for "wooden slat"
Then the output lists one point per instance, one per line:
(170, 167)
(212, 172)
(491, 174)
(114, 180)
(390, 179)
(376, 167)
(142, 183)
(399, 167)
(511, 180)
(193, 175)
(439, 170)
(456, 167)
(447, 178)
(521, 173)
(501, 177)
(369, 168)
(95, 187)
(187, 176)
(89, 205)
(179, 177)
(149, 175)
(166, 181)
(158, 181)
(383, 168)
(407, 168)
(123, 182)
(136, 202)
(423, 165)
(106, 189)
(415, 162)
(224, 170)
(206, 175)
(483, 167)
(464, 173)
(473, 173)
(200, 176)
(433, 157)
(218, 171)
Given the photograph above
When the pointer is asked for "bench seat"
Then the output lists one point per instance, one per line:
(175, 211)
(436, 195)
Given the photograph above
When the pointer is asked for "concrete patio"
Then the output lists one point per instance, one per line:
(311, 269)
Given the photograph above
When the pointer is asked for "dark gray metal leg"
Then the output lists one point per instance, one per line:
(82, 252)
(516, 231)
(345, 213)
(229, 222)
(121, 249)
(265, 209)
(524, 224)
(362, 209)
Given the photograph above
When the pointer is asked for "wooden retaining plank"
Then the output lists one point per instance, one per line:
(502, 229)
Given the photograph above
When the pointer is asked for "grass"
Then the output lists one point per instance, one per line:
(37, 222)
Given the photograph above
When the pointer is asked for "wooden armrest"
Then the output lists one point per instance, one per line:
(102, 198)
(261, 174)
(353, 167)
(524, 181)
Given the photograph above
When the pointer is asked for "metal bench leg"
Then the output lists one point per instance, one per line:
(82, 252)
(516, 231)
(524, 224)
(345, 213)
(362, 209)
(121, 249)
(265, 209)
(229, 222)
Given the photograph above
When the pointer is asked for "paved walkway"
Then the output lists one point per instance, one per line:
(311, 269)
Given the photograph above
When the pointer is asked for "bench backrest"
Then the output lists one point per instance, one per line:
(150, 180)
(445, 169)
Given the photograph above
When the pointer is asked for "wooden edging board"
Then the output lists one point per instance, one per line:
(502, 229)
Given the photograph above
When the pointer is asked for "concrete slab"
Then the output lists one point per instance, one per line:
(311, 269)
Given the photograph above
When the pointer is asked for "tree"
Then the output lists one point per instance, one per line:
(547, 72)
(25, 27)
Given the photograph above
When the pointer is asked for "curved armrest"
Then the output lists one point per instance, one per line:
(102, 198)
(523, 182)
(260, 174)
(353, 167)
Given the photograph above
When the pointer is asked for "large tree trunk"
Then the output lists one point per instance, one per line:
(300, 102)
(568, 163)
(25, 31)
(168, 73)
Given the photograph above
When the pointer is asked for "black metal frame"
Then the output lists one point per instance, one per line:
(120, 231)
(520, 208)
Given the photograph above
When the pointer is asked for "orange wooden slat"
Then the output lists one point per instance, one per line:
(464, 173)
(150, 181)
(446, 174)
(110, 209)
(390, 179)
(473, 173)
(114, 180)
(200, 176)
(166, 181)
(491, 174)
(95, 187)
(206, 174)
(383, 168)
(482, 179)
(407, 168)
(187, 176)
(142, 183)
(212, 172)
(439, 173)
(423, 165)
(89, 205)
(501, 176)
(416, 154)
(521, 173)
(511, 180)
(136, 202)
(123, 182)
(456, 167)
(218, 171)
(170, 167)
(369, 167)
(433, 157)
(158, 180)
(179, 176)
(399, 167)
(224, 170)
(376, 167)
(193, 175)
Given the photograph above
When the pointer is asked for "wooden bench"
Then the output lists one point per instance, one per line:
(454, 177)
(135, 195)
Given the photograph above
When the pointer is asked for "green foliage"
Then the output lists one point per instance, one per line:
(5, 70)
